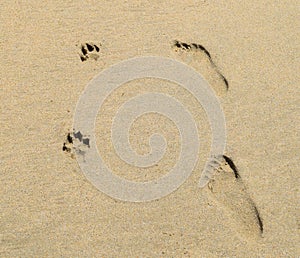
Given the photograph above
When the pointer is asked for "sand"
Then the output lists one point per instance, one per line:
(50, 209)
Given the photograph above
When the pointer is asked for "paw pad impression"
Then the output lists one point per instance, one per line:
(89, 50)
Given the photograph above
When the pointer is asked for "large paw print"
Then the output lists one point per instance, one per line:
(89, 50)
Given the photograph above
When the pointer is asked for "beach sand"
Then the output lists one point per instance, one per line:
(50, 209)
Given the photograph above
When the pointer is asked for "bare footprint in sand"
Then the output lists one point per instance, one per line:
(198, 57)
(228, 190)
(225, 184)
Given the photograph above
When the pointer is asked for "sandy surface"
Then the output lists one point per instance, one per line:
(49, 208)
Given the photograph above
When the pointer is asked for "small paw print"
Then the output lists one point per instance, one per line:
(77, 143)
(89, 50)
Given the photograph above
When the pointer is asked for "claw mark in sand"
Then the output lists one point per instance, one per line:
(65, 148)
(69, 138)
(67, 145)
(194, 46)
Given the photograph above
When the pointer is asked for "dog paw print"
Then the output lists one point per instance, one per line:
(89, 50)
(77, 143)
